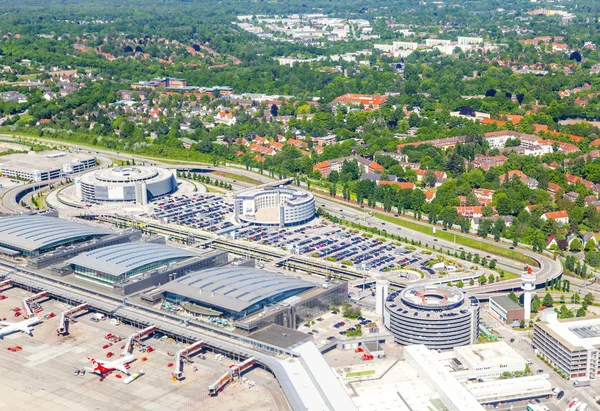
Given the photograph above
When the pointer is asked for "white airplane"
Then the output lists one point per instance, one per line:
(102, 367)
(23, 326)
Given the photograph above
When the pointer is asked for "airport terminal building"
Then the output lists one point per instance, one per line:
(117, 263)
(252, 297)
(437, 316)
(32, 235)
(137, 184)
(274, 206)
(44, 165)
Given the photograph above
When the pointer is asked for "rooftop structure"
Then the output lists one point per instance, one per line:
(125, 184)
(237, 291)
(437, 316)
(274, 206)
(45, 165)
(116, 263)
(35, 234)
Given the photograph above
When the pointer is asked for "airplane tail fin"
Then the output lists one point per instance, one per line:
(98, 368)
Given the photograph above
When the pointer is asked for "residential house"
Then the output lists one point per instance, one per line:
(377, 177)
(400, 184)
(483, 195)
(561, 217)
(364, 165)
(487, 162)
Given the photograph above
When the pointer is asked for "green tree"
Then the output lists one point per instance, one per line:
(548, 300)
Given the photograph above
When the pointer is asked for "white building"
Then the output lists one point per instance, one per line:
(274, 206)
(437, 42)
(511, 389)
(452, 393)
(468, 41)
(483, 361)
(570, 345)
(405, 45)
(45, 165)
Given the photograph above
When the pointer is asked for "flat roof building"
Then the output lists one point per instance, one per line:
(32, 235)
(570, 345)
(44, 165)
(483, 361)
(116, 263)
(506, 310)
(453, 394)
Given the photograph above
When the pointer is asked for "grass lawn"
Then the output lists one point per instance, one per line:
(360, 373)
(237, 177)
(462, 240)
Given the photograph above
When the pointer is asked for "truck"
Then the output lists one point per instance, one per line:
(581, 382)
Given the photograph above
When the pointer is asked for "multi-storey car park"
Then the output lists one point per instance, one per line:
(139, 184)
(274, 206)
(440, 317)
(32, 235)
(45, 165)
(571, 345)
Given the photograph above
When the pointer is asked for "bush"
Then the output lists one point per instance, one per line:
(350, 311)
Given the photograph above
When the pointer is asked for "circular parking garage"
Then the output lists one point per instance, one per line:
(274, 206)
(437, 316)
(125, 184)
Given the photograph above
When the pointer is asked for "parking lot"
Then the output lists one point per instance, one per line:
(202, 211)
(338, 245)
(41, 375)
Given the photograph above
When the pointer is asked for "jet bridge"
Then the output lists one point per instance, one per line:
(65, 318)
(137, 336)
(26, 301)
(182, 356)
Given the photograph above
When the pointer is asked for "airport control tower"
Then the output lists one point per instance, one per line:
(528, 285)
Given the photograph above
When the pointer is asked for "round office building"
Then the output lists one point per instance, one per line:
(137, 184)
(274, 206)
(438, 316)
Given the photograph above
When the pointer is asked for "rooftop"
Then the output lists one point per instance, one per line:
(32, 232)
(235, 288)
(281, 336)
(476, 356)
(119, 259)
(505, 302)
(577, 332)
(42, 161)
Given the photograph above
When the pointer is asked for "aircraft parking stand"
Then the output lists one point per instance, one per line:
(41, 375)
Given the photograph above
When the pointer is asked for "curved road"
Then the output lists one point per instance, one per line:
(548, 267)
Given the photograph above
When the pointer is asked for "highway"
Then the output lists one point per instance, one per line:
(548, 267)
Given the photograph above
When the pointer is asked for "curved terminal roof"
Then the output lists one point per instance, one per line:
(234, 288)
(122, 258)
(34, 232)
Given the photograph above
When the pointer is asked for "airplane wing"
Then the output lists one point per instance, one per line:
(122, 369)
(25, 328)
(5, 323)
